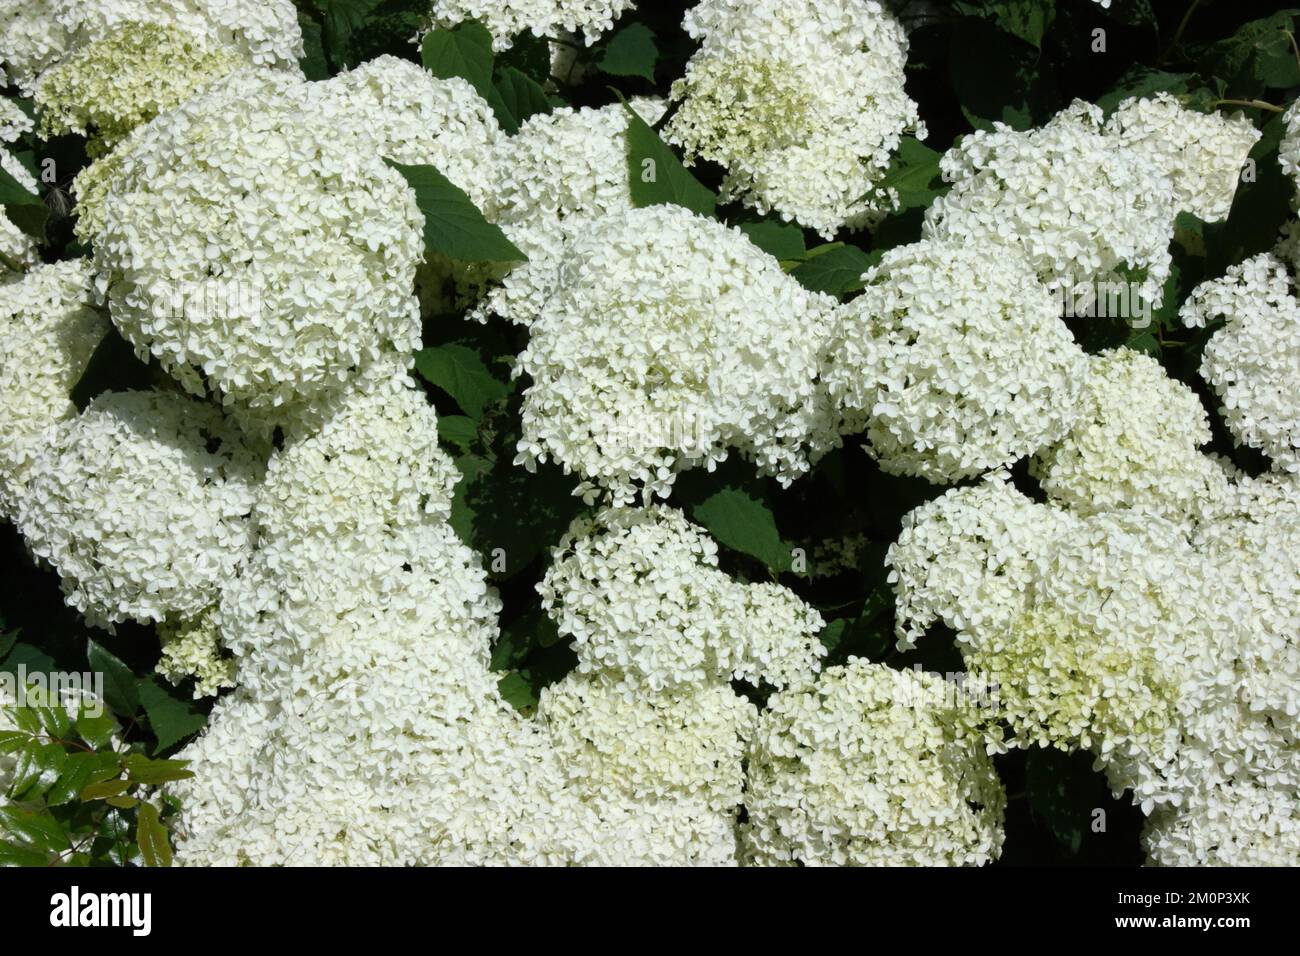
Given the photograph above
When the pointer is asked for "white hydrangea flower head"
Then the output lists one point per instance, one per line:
(1253, 360)
(1086, 663)
(107, 88)
(565, 168)
(630, 756)
(1080, 206)
(669, 340)
(952, 363)
(18, 251)
(412, 117)
(192, 648)
(966, 559)
(141, 505)
(1241, 824)
(639, 592)
(802, 102)
(871, 766)
(31, 37)
(13, 121)
(48, 332)
(553, 19)
(1288, 149)
(1134, 444)
(245, 242)
(1204, 153)
(37, 34)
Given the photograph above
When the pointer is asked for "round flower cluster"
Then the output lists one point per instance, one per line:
(677, 754)
(109, 87)
(873, 767)
(802, 102)
(38, 34)
(954, 364)
(250, 246)
(966, 559)
(1081, 206)
(566, 169)
(554, 19)
(49, 330)
(1203, 153)
(141, 505)
(1253, 360)
(193, 648)
(668, 340)
(1134, 444)
(640, 593)
(1089, 634)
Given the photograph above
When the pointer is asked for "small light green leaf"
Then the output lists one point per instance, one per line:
(141, 769)
(105, 789)
(151, 837)
(97, 731)
(458, 371)
(656, 176)
(741, 522)
(80, 770)
(453, 225)
(631, 52)
(464, 50)
(119, 683)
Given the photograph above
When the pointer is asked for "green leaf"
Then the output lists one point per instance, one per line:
(37, 768)
(16, 854)
(459, 371)
(33, 828)
(1260, 55)
(453, 225)
(105, 789)
(518, 692)
(656, 176)
(340, 19)
(119, 683)
(80, 771)
(779, 239)
(13, 740)
(913, 174)
(739, 521)
(29, 656)
(314, 66)
(142, 769)
(151, 837)
(1026, 19)
(834, 268)
(170, 719)
(631, 52)
(515, 98)
(97, 731)
(459, 431)
(464, 50)
(7, 640)
(14, 193)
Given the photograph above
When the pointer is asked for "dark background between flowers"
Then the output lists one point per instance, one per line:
(970, 63)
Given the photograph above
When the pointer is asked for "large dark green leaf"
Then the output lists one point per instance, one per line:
(631, 52)
(656, 176)
(459, 371)
(739, 521)
(171, 720)
(453, 225)
(464, 50)
(119, 683)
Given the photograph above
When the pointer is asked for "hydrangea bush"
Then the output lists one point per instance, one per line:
(718, 433)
